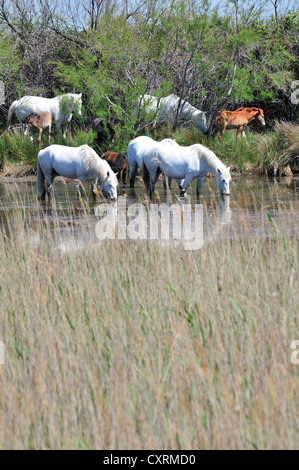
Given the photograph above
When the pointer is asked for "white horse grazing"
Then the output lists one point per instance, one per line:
(165, 109)
(81, 163)
(195, 161)
(136, 149)
(61, 108)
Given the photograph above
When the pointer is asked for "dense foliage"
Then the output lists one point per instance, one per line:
(215, 58)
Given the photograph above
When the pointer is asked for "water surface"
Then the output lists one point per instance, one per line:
(251, 210)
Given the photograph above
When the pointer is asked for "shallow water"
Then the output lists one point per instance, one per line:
(255, 208)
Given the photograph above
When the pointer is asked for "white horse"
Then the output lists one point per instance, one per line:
(81, 163)
(165, 109)
(61, 108)
(195, 161)
(136, 149)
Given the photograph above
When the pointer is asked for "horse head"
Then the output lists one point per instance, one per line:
(222, 179)
(260, 117)
(110, 185)
(77, 103)
(201, 122)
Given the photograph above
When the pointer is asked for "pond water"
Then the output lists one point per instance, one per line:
(251, 209)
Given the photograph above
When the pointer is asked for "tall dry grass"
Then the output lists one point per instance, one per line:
(135, 345)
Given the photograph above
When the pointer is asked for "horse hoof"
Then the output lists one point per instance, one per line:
(131, 184)
(182, 193)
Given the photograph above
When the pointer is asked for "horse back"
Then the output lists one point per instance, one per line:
(116, 159)
(41, 120)
(239, 117)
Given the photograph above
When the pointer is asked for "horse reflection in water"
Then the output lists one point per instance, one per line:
(218, 220)
(117, 216)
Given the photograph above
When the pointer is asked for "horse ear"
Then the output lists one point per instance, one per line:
(228, 168)
(80, 95)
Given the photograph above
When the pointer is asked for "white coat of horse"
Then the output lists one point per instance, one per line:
(165, 109)
(81, 163)
(61, 108)
(136, 149)
(187, 163)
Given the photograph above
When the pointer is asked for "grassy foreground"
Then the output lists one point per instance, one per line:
(134, 345)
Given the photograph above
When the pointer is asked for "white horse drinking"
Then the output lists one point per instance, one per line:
(136, 149)
(165, 109)
(195, 161)
(61, 108)
(81, 163)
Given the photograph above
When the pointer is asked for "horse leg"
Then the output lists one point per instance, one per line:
(79, 187)
(57, 130)
(169, 182)
(39, 139)
(157, 175)
(132, 173)
(187, 181)
(43, 194)
(164, 181)
(49, 134)
(199, 184)
(243, 132)
(49, 181)
(64, 129)
(94, 183)
(32, 136)
(124, 174)
(180, 183)
(221, 133)
(240, 129)
(153, 179)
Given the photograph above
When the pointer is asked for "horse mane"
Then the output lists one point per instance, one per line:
(91, 157)
(210, 158)
(248, 109)
(66, 96)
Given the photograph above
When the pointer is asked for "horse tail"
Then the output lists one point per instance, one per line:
(11, 110)
(145, 176)
(40, 181)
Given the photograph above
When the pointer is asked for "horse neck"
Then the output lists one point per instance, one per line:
(195, 113)
(211, 164)
(94, 159)
(252, 115)
(66, 101)
(55, 107)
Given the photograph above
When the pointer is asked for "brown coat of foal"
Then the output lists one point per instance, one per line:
(118, 163)
(38, 123)
(238, 119)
